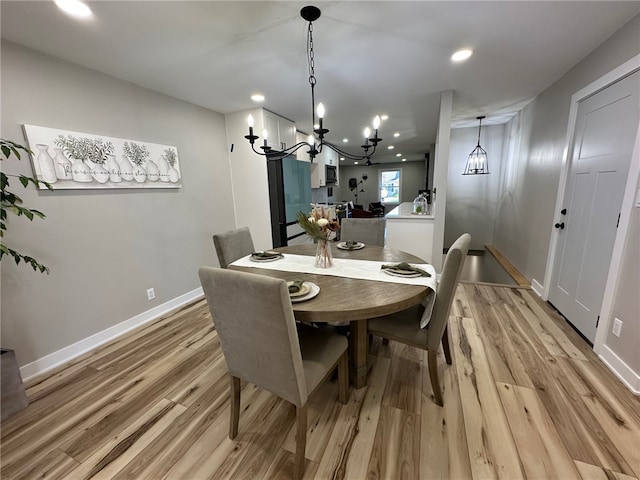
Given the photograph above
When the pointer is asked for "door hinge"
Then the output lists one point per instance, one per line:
(597, 321)
(618, 224)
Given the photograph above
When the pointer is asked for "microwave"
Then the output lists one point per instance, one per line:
(332, 175)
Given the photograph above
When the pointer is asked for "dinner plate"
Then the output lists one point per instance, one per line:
(401, 273)
(314, 291)
(344, 246)
(254, 258)
(304, 289)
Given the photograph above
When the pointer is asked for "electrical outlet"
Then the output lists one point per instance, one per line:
(151, 294)
(617, 327)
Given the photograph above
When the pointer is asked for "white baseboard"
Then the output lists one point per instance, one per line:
(65, 354)
(621, 370)
(537, 287)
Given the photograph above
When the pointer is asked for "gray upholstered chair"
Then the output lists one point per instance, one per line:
(369, 231)
(232, 245)
(404, 326)
(261, 345)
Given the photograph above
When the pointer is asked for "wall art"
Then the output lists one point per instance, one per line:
(67, 159)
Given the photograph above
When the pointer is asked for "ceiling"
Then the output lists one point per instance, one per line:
(371, 57)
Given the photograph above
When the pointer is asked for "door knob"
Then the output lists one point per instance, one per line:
(559, 225)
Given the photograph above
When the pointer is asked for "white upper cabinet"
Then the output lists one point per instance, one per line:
(281, 132)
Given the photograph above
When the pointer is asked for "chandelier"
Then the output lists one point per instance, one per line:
(316, 142)
(477, 164)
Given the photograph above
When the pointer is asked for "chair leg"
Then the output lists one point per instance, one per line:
(446, 346)
(433, 374)
(343, 378)
(301, 441)
(234, 383)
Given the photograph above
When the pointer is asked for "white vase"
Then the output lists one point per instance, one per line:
(153, 173)
(62, 165)
(126, 169)
(45, 162)
(139, 174)
(99, 173)
(174, 176)
(113, 168)
(163, 168)
(80, 171)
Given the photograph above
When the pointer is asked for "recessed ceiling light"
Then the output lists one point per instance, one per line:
(257, 97)
(355, 163)
(398, 154)
(391, 147)
(342, 159)
(384, 117)
(404, 159)
(345, 140)
(462, 55)
(397, 134)
(74, 7)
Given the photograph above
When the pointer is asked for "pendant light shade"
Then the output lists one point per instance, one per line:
(477, 164)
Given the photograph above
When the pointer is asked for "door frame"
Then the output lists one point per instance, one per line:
(627, 203)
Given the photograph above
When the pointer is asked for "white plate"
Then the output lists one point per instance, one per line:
(397, 273)
(357, 246)
(270, 259)
(315, 290)
(305, 288)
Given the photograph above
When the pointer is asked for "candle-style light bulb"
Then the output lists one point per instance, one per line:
(311, 140)
(320, 111)
(250, 122)
(367, 132)
(376, 122)
(265, 135)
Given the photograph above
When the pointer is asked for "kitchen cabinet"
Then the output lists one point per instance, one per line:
(281, 131)
(409, 232)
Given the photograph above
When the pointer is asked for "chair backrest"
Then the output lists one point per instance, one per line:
(254, 320)
(445, 293)
(369, 231)
(232, 245)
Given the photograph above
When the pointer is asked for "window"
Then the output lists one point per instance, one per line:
(389, 182)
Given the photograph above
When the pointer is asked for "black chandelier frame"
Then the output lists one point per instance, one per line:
(311, 13)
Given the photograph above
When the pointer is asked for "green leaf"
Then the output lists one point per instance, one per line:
(24, 181)
(28, 213)
(38, 213)
(6, 151)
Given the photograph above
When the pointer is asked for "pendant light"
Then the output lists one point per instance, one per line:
(477, 164)
(316, 142)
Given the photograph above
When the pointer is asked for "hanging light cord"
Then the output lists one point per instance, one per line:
(479, 128)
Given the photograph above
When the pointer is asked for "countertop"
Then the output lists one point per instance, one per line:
(405, 211)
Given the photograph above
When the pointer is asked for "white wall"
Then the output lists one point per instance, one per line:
(105, 247)
(472, 199)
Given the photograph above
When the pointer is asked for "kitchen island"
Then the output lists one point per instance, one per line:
(410, 232)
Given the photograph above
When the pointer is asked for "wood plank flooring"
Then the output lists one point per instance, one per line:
(524, 398)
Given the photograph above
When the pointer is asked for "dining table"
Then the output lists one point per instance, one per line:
(344, 299)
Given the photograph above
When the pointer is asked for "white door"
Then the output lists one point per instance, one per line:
(606, 127)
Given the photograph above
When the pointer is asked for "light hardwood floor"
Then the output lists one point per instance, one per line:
(524, 398)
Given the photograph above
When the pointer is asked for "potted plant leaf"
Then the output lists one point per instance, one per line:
(13, 397)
